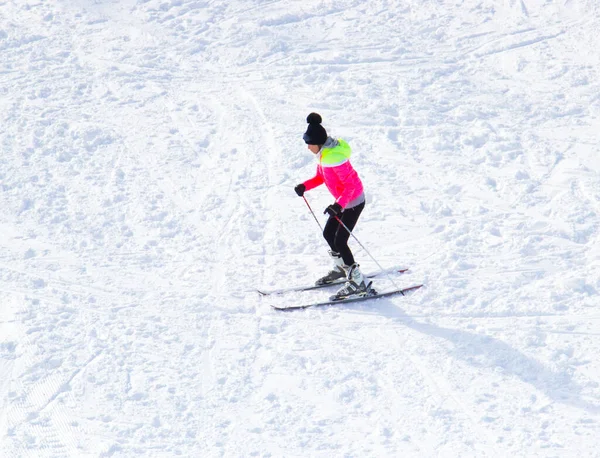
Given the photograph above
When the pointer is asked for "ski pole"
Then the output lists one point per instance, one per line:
(367, 251)
(357, 241)
(313, 213)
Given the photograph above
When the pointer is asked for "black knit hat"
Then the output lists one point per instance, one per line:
(316, 133)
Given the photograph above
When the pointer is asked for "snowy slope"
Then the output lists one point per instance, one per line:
(149, 153)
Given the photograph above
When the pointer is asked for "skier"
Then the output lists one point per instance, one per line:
(342, 181)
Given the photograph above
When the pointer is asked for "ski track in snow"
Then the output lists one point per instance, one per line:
(149, 154)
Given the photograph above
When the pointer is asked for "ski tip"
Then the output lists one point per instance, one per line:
(287, 309)
(411, 288)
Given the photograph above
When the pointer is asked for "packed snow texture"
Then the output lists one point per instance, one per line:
(149, 151)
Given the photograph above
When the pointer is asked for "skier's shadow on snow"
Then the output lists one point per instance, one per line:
(483, 351)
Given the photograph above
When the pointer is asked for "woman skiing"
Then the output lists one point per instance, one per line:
(342, 181)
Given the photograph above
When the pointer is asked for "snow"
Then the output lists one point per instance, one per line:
(149, 151)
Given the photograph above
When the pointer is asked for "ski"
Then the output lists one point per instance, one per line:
(401, 291)
(264, 292)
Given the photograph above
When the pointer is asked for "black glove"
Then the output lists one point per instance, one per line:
(300, 189)
(334, 209)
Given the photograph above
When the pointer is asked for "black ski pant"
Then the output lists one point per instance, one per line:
(337, 237)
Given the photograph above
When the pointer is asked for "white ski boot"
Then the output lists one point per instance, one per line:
(336, 273)
(356, 286)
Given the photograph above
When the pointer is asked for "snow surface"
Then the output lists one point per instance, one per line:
(149, 150)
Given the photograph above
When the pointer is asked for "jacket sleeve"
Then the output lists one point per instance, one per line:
(315, 181)
(352, 186)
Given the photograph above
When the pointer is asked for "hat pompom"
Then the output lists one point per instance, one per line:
(314, 118)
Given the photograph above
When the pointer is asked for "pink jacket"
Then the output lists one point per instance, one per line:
(334, 169)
